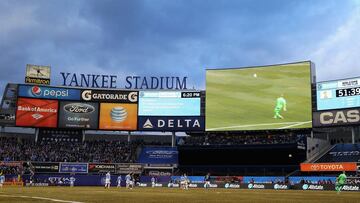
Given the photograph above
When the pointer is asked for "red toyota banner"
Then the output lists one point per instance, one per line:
(342, 166)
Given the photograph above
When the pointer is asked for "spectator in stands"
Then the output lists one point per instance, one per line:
(223, 139)
(53, 150)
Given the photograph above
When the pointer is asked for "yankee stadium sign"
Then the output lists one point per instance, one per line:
(130, 82)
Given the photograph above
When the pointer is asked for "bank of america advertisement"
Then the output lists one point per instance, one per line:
(78, 115)
(36, 113)
(118, 116)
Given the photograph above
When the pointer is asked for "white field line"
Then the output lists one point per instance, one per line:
(40, 198)
(254, 125)
(301, 123)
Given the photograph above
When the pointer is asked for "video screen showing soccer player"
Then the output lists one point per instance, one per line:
(259, 98)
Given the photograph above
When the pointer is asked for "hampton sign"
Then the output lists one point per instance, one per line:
(130, 82)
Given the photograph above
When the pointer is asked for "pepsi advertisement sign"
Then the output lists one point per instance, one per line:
(42, 92)
(171, 123)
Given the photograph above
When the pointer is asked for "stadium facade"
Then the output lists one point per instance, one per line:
(266, 127)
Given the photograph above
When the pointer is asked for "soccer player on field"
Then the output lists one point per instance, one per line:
(340, 182)
(2, 179)
(207, 181)
(280, 105)
(119, 181)
(107, 180)
(128, 181)
(72, 181)
(184, 182)
(153, 181)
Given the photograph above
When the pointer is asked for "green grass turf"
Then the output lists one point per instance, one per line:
(234, 97)
(160, 195)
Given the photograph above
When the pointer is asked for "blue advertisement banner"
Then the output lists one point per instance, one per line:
(79, 180)
(73, 168)
(342, 153)
(171, 123)
(158, 179)
(159, 155)
(193, 179)
(312, 179)
(263, 179)
(42, 92)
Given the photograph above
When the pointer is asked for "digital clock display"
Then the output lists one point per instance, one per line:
(338, 94)
(348, 92)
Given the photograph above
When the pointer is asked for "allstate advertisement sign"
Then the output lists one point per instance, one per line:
(42, 92)
(171, 123)
(73, 168)
(159, 155)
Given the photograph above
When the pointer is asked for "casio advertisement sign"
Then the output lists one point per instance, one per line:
(171, 123)
(336, 117)
(110, 96)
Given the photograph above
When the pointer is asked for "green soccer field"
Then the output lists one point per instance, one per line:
(162, 195)
(244, 99)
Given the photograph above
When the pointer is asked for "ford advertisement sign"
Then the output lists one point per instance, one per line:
(78, 115)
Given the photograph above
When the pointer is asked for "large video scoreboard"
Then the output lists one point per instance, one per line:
(124, 110)
(259, 98)
(338, 94)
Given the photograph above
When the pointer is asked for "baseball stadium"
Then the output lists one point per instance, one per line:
(268, 133)
(179, 101)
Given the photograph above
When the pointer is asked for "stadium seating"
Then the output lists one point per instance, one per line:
(16, 149)
(342, 153)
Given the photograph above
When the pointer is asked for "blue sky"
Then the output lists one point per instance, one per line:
(177, 37)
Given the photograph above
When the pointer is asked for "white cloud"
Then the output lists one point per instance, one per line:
(337, 56)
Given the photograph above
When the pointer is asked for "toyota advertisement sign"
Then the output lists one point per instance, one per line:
(78, 115)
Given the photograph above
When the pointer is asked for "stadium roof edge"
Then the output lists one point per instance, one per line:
(257, 66)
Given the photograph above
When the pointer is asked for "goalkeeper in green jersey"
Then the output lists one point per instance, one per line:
(340, 182)
(280, 105)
